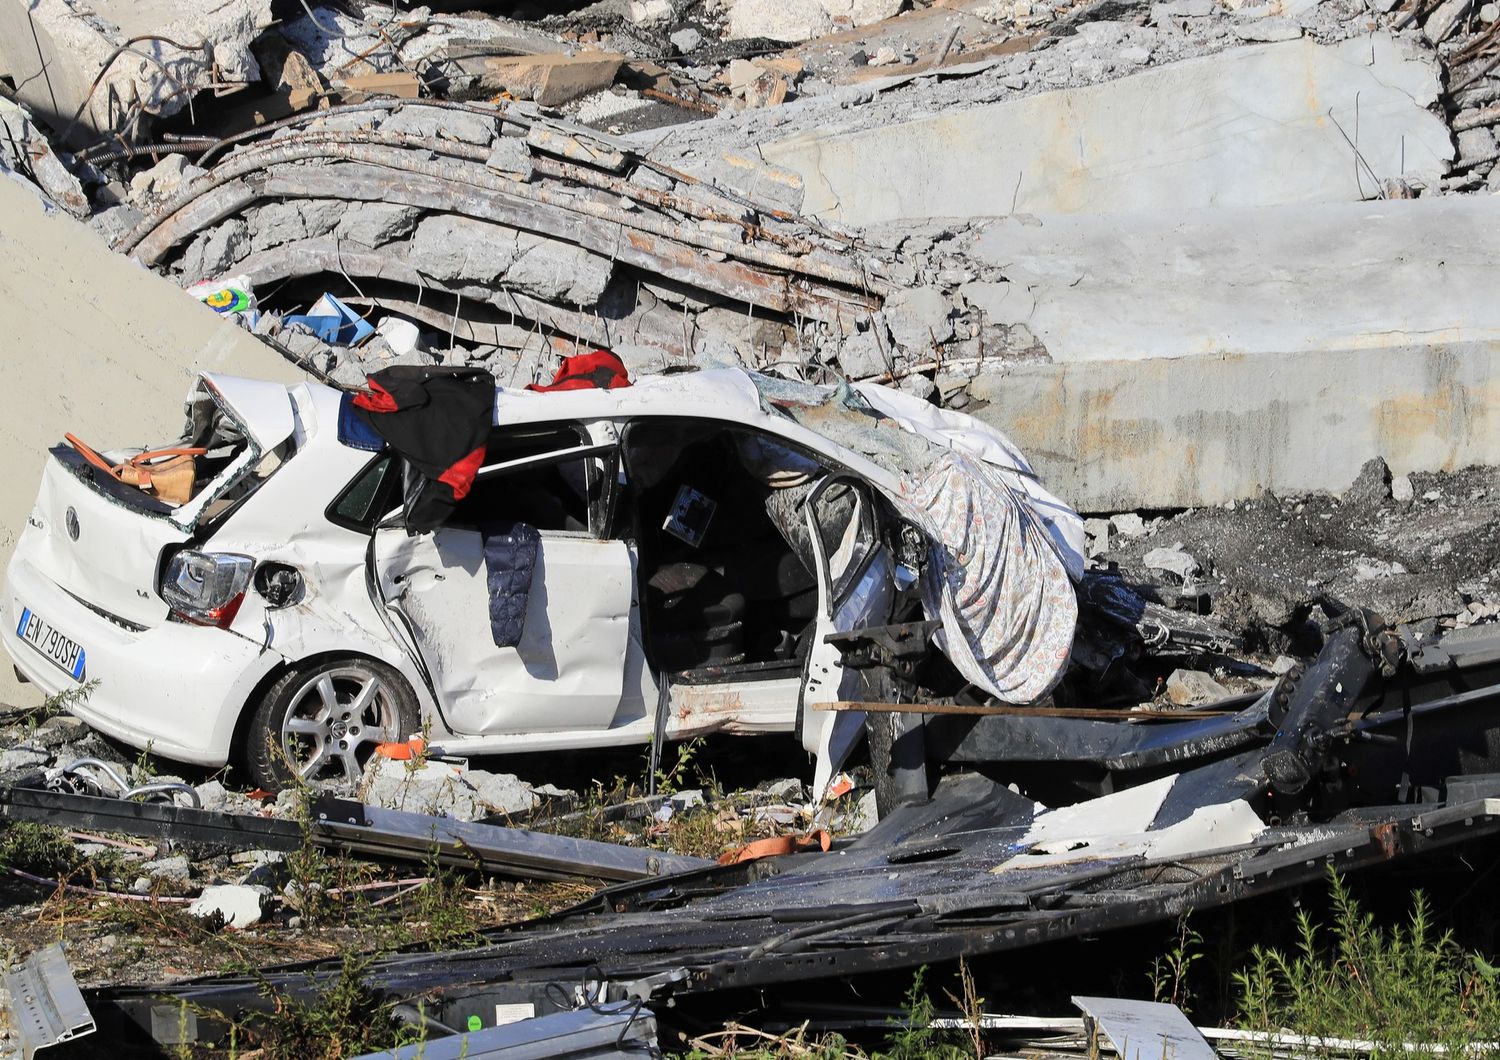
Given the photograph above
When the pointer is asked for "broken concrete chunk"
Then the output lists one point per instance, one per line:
(1193, 687)
(340, 47)
(643, 12)
(1442, 22)
(441, 124)
(66, 58)
(500, 792)
(1001, 303)
(575, 148)
(276, 223)
(395, 83)
(558, 272)
(1096, 533)
(548, 79)
(741, 73)
(919, 318)
(217, 249)
(163, 178)
(115, 221)
(240, 905)
(1475, 144)
(791, 21)
(511, 156)
(176, 867)
(427, 787)
(25, 149)
(444, 789)
(1372, 486)
(372, 224)
(299, 81)
(1173, 560)
(447, 247)
(686, 40)
(1128, 524)
(861, 357)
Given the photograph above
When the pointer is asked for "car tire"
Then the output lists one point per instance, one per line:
(320, 723)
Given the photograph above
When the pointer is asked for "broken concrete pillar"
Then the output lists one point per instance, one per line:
(54, 50)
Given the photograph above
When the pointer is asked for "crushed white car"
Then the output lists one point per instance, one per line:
(701, 534)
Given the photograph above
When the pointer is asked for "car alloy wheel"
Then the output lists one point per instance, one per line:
(335, 720)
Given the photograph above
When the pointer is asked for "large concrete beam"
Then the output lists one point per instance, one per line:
(1201, 356)
(1189, 431)
(96, 345)
(1180, 283)
(1276, 123)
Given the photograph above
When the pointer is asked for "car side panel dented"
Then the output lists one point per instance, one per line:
(567, 671)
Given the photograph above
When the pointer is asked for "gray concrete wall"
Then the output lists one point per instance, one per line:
(96, 345)
(1180, 283)
(1204, 355)
(1182, 432)
(1255, 126)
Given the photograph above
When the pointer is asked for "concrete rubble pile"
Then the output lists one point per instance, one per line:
(1075, 204)
(508, 236)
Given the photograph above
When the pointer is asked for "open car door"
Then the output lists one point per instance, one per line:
(856, 588)
(519, 613)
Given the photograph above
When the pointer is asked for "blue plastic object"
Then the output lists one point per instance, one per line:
(334, 322)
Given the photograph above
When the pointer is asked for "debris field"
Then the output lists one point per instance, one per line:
(695, 515)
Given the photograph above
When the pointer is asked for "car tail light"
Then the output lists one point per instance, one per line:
(206, 588)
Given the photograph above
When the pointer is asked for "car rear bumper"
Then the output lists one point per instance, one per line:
(174, 688)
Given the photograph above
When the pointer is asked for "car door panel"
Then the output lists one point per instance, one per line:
(856, 587)
(566, 672)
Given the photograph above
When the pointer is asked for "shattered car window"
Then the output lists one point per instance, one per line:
(554, 496)
(191, 487)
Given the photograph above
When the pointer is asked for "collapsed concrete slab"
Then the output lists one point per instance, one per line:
(1177, 283)
(1184, 432)
(1199, 357)
(1277, 123)
(120, 60)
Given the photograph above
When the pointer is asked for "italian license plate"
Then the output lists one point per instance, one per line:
(63, 652)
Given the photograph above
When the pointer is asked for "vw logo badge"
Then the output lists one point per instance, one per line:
(70, 520)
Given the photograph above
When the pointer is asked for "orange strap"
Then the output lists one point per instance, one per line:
(777, 846)
(89, 455)
(141, 462)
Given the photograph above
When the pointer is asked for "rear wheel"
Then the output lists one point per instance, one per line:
(320, 724)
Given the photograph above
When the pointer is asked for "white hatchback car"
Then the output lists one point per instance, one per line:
(699, 537)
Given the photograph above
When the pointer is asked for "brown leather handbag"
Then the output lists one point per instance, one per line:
(167, 474)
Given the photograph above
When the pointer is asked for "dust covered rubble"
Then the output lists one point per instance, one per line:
(514, 289)
(1421, 549)
(489, 283)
